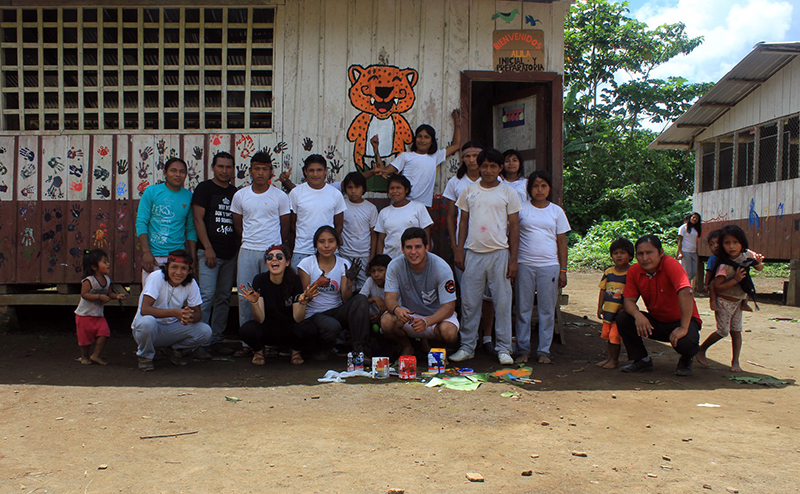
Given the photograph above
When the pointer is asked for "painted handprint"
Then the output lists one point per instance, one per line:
(241, 171)
(122, 189)
(161, 146)
(330, 152)
(76, 169)
(103, 151)
(197, 153)
(76, 186)
(54, 191)
(3, 169)
(122, 167)
(145, 184)
(27, 237)
(48, 235)
(28, 191)
(266, 150)
(48, 215)
(99, 238)
(247, 145)
(103, 191)
(74, 153)
(215, 140)
(280, 147)
(3, 186)
(142, 171)
(27, 154)
(76, 210)
(453, 165)
(28, 170)
(2, 150)
(56, 164)
(308, 144)
(101, 174)
(146, 153)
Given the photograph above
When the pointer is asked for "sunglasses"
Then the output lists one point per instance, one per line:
(270, 257)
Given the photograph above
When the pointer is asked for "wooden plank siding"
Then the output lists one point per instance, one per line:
(66, 191)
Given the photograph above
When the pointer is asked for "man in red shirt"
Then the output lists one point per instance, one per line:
(672, 313)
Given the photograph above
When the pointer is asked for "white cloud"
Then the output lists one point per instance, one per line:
(730, 29)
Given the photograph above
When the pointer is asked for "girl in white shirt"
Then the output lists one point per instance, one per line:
(514, 173)
(420, 164)
(688, 234)
(402, 214)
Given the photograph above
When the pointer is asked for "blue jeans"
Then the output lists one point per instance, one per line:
(215, 288)
(150, 334)
(544, 283)
(297, 257)
(250, 264)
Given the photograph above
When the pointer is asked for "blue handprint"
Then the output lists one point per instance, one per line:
(122, 189)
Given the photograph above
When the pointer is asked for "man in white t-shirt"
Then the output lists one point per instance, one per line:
(313, 204)
(261, 219)
(488, 239)
(169, 313)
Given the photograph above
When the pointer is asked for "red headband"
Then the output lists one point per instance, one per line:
(471, 150)
(179, 259)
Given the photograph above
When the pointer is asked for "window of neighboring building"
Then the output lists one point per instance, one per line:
(725, 162)
(707, 172)
(790, 161)
(747, 158)
(768, 154)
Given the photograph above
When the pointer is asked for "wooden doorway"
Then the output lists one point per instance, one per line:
(534, 96)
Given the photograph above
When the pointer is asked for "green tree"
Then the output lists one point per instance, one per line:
(609, 173)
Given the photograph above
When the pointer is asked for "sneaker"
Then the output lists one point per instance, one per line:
(201, 353)
(461, 355)
(175, 356)
(638, 366)
(505, 358)
(488, 347)
(146, 364)
(684, 367)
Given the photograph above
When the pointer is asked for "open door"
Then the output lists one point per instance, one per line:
(521, 111)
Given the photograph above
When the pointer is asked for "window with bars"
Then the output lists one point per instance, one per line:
(747, 158)
(725, 171)
(790, 162)
(136, 68)
(768, 154)
(708, 167)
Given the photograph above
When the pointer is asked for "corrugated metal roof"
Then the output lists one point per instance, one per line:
(757, 67)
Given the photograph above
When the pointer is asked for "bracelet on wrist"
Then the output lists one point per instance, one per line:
(563, 270)
(393, 310)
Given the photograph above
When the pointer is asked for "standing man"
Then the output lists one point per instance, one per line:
(164, 219)
(219, 245)
(261, 219)
(424, 283)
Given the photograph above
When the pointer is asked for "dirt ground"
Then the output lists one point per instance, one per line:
(68, 428)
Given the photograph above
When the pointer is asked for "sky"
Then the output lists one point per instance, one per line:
(730, 27)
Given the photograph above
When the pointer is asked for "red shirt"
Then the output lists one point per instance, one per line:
(660, 291)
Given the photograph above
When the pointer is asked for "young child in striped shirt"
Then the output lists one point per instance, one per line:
(609, 304)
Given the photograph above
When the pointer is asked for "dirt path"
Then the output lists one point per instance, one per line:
(61, 421)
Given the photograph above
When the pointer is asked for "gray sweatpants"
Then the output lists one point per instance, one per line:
(151, 334)
(543, 282)
(481, 270)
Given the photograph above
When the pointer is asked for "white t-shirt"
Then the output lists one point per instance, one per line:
(393, 221)
(358, 220)
(314, 208)
(689, 239)
(261, 224)
(537, 234)
(330, 296)
(455, 186)
(420, 170)
(370, 289)
(488, 215)
(168, 296)
(519, 185)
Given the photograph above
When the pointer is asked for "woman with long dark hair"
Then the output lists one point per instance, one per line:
(688, 234)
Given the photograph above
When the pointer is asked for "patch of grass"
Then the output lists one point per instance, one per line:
(773, 270)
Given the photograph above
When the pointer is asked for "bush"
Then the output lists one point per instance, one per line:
(590, 251)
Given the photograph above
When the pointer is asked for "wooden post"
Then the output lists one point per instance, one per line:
(793, 295)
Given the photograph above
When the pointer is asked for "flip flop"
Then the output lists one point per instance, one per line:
(258, 358)
(297, 358)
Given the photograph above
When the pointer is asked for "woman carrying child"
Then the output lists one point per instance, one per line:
(421, 163)
(279, 308)
(732, 268)
(96, 291)
(396, 218)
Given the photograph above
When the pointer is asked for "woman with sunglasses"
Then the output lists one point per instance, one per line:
(279, 307)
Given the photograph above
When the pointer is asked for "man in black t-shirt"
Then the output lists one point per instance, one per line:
(218, 244)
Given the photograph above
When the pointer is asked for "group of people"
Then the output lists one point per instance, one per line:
(320, 270)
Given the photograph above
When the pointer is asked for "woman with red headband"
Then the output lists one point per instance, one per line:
(169, 313)
(279, 308)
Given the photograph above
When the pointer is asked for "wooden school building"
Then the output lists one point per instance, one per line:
(96, 96)
(745, 134)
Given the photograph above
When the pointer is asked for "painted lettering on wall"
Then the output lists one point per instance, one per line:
(518, 51)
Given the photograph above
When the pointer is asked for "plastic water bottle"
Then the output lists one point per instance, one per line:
(351, 364)
(359, 363)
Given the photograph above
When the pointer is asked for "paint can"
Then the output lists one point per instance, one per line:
(437, 360)
(380, 367)
(408, 367)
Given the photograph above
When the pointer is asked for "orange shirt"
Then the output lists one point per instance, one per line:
(660, 291)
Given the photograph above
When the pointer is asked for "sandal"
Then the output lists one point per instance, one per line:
(258, 358)
(245, 351)
(297, 358)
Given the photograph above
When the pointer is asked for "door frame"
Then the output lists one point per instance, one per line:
(553, 80)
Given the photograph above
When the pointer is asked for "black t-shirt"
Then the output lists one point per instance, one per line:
(277, 306)
(218, 217)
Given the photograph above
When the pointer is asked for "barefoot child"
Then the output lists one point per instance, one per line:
(373, 289)
(730, 294)
(95, 293)
(711, 268)
(610, 302)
